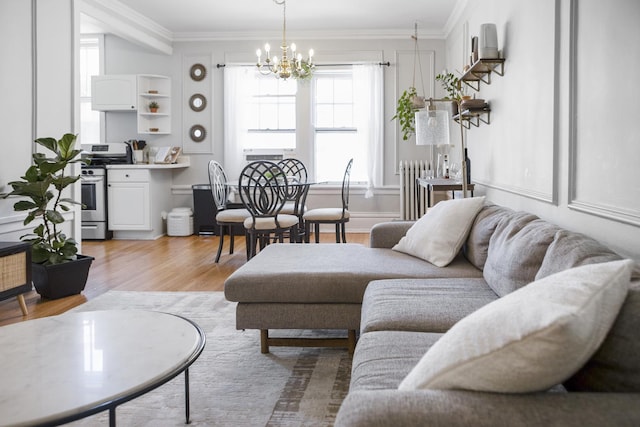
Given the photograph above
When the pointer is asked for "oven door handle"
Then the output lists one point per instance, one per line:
(90, 179)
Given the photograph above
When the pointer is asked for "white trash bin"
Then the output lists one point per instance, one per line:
(180, 222)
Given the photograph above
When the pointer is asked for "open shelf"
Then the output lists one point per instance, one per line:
(474, 117)
(481, 71)
(158, 89)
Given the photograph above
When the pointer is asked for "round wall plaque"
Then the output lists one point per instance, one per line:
(198, 72)
(197, 133)
(197, 102)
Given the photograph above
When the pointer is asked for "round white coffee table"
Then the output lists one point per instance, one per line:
(62, 368)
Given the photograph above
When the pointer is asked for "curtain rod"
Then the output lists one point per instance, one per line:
(385, 64)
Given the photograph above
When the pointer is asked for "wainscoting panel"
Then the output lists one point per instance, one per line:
(604, 146)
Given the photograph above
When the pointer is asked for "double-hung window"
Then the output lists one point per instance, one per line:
(335, 132)
(90, 65)
(347, 123)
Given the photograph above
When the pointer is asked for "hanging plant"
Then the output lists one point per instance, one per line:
(408, 104)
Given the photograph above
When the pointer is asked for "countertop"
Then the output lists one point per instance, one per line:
(183, 162)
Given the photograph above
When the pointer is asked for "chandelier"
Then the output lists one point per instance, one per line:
(289, 65)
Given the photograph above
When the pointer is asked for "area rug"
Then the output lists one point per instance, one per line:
(232, 383)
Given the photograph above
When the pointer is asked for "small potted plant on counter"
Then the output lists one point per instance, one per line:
(153, 106)
(57, 269)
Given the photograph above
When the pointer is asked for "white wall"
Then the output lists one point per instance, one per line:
(37, 82)
(530, 158)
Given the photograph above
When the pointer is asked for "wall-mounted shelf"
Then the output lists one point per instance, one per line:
(474, 117)
(158, 89)
(481, 70)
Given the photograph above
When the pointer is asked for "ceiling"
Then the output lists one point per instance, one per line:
(243, 18)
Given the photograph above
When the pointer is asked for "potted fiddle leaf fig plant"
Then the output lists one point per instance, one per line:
(57, 268)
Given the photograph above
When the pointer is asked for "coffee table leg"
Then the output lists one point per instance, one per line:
(112, 417)
(186, 395)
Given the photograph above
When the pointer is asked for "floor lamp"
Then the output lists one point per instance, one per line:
(432, 128)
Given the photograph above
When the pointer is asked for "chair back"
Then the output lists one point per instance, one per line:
(218, 183)
(346, 181)
(294, 168)
(263, 189)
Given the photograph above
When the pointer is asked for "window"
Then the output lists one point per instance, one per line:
(335, 133)
(325, 122)
(272, 113)
(90, 65)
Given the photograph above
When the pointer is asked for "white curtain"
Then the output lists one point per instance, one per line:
(236, 95)
(368, 103)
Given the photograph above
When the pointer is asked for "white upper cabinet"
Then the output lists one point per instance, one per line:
(114, 93)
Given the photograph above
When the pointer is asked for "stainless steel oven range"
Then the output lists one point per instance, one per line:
(94, 186)
(94, 201)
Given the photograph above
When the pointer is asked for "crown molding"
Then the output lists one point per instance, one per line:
(125, 22)
(304, 35)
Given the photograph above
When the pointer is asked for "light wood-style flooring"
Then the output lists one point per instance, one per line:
(167, 264)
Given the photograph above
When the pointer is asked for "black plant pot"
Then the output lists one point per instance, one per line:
(61, 280)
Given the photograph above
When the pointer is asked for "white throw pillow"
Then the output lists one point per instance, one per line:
(438, 236)
(531, 339)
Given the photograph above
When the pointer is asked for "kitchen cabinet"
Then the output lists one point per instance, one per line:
(129, 199)
(130, 92)
(139, 197)
(116, 92)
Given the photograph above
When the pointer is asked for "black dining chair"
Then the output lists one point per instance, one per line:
(226, 219)
(296, 173)
(337, 216)
(263, 190)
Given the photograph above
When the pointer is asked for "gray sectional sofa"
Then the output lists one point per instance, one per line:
(402, 319)
(400, 305)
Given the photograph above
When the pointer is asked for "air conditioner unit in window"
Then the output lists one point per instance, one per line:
(270, 155)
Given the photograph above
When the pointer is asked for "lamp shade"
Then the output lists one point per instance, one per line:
(432, 127)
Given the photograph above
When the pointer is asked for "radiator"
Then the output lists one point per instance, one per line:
(410, 191)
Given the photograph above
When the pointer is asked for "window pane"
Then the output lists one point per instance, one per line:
(343, 91)
(271, 140)
(324, 90)
(343, 115)
(333, 151)
(324, 116)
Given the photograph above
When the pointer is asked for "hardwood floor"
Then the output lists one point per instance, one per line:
(167, 264)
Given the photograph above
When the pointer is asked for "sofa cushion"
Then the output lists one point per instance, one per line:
(421, 305)
(570, 250)
(616, 365)
(328, 273)
(477, 245)
(516, 250)
(383, 358)
(438, 236)
(531, 339)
